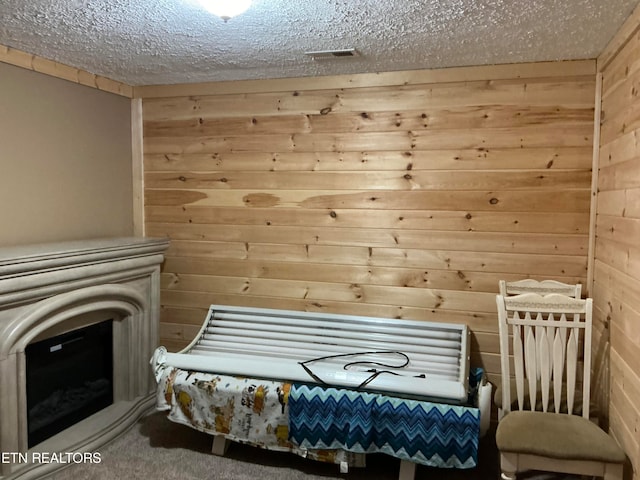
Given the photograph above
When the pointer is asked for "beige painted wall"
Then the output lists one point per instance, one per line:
(65, 157)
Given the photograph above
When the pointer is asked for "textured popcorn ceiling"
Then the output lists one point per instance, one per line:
(145, 42)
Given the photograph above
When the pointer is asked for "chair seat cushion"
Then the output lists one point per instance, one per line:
(568, 437)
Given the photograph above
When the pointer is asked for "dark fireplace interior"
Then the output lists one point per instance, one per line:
(69, 378)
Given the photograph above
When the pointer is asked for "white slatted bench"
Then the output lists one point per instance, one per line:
(274, 344)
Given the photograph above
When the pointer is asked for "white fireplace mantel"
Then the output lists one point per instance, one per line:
(50, 288)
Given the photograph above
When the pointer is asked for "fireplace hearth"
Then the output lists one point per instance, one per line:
(51, 297)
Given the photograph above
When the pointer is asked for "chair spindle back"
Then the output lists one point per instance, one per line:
(548, 335)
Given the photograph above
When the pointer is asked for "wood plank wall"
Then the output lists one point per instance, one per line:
(617, 254)
(404, 200)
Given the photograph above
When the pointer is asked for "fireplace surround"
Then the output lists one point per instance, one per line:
(48, 290)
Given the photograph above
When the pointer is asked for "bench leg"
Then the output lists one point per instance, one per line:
(220, 445)
(407, 470)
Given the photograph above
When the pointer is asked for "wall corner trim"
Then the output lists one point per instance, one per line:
(137, 166)
(45, 66)
(591, 254)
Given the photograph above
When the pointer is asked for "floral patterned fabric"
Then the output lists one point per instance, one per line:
(244, 410)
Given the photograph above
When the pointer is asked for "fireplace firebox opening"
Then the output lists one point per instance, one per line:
(69, 377)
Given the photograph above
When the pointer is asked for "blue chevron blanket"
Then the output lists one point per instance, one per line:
(433, 434)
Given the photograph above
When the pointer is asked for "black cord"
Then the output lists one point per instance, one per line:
(346, 366)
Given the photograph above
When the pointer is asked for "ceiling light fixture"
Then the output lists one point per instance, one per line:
(226, 9)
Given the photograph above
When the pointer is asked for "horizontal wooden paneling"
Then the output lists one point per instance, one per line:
(550, 202)
(471, 221)
(624, 203)
(408, 77)
(536, 265)
(620, 149)
(623, 257)
(456, 159)
(406, 200)
(251, 236)
(620, 176)
(385, 180)
(337, 292)
(621, 229)
(369, 275)
(463, 117)
(562, 92)
(539, 136)
(617, 254)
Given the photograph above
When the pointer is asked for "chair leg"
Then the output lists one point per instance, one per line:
(508, 466)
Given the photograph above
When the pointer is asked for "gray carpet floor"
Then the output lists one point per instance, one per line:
(156, 448)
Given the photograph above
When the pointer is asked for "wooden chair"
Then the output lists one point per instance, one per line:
(543, 287)
(548, 334)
